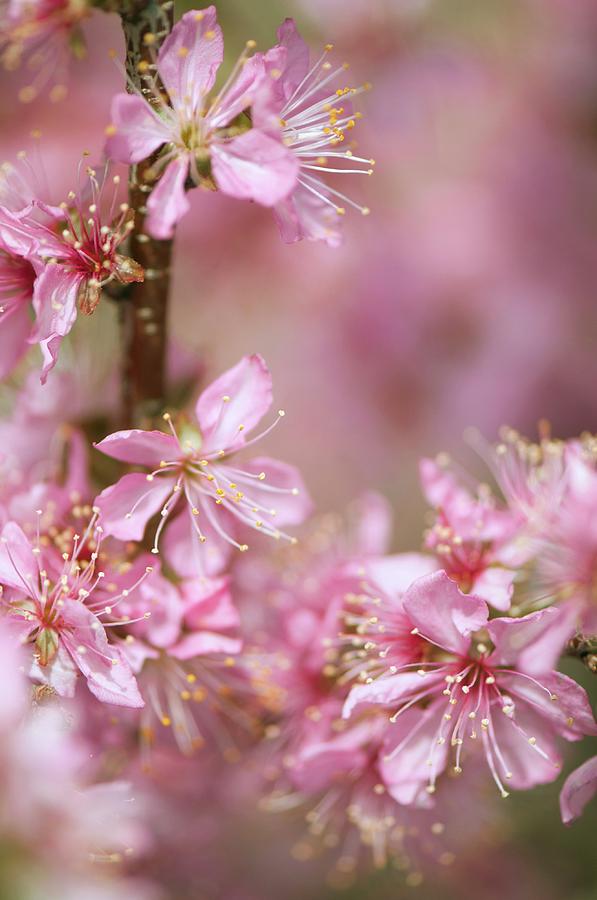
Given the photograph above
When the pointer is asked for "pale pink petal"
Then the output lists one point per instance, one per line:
(15, 327)
(144, 448)
(190, 57)
(534, 642)
(442, 613)
(522, 760)
(372, 515)
(248, 385)
(254, 166)
(168, 201)
(440, 487)
(579, 789)
(389, 690)
(107, 671)
(323, 763)
(60, 674)
(406, 771)
(139, 131)
(18, 565)
(203, 643)
(127, 506)
(569, 713)
(293, 505)
(161, 599)
(184, 551)
(304, 216)
(297, 57)
(396, 573)
(209, 605)
(55, 304)
(240, 95)
(495, 585)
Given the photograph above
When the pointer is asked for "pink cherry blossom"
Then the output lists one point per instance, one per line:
(54, 609)
(473, 538)
(74, 249)
(579, 789)
(194, 474)
(486, 681)
(202, 137)
(314, 108)
(183, 647)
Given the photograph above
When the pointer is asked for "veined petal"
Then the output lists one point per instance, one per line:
(186, 554)
(239, 397)
(442, 613)
(208, 604)
(406, 772)
(534, 642)
(168, 201)
(106, 669)
(127, 506)
(297, 57)
(495, 585)
(144, 448)
(204, 642)
(291, 507)
(55, 304)
(190, 57)
(254, 166)
(303, 216)
(138, 130)
(18, 566)
(15, 327)
(388, 690)
(579, 789)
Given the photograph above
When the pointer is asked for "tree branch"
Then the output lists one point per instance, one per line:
(144, 312)
(584, 647)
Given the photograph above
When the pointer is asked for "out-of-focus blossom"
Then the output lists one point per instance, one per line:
(16, 290)
(473, 538)
(315, 110)
(42, 34)
(183, 645)
(482, 680)
(207, 140)
(579, 789)
(45, 778)
(194, 464)
(74, 251)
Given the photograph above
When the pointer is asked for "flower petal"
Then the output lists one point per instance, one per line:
(205, 642)
(144, 448)
(209, 605)
(139, 131)
(15, 327)
(248, 387)
(534, 642)
(389, 690)
(105, 667)
(297, 58)
(442, 613)
(55, 303)
(18, 566)
(168, 201)
(254, 166)
(282, 489)
(127, 506)
(190, 57)
(579, 789)
(186, 554)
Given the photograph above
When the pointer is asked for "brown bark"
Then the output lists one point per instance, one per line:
(144, 311)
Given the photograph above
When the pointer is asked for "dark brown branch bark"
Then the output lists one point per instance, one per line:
(144, 313)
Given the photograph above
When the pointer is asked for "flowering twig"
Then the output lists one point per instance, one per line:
(146, 23)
